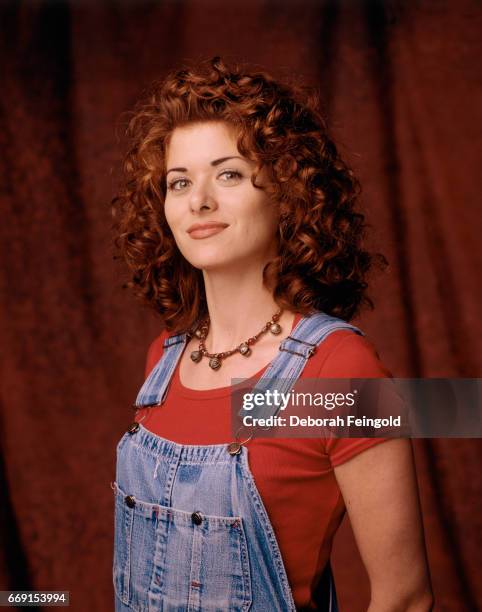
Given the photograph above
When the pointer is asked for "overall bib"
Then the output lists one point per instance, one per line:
(191, 530)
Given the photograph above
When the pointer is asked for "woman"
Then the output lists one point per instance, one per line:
(238, 222)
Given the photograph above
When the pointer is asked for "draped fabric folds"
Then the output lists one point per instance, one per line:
(400, 85)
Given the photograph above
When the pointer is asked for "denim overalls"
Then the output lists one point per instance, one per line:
(191, 530)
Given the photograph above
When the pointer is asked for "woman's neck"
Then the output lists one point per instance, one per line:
(239, 305)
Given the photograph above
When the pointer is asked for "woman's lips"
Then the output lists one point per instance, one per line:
(199, 233)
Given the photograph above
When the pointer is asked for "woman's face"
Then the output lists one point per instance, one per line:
(218, 219)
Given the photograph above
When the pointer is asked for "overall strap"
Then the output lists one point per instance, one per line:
(295, 350)
(154, 389)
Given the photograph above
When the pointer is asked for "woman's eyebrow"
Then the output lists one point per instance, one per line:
(176, 170)
(216, 162)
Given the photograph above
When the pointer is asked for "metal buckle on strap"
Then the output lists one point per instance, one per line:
(311, 351)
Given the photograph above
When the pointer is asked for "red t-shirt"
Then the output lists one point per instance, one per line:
(295, 477)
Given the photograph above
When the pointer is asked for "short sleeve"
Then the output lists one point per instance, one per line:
(353, 356)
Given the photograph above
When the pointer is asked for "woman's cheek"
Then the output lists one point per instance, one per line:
(171, 219)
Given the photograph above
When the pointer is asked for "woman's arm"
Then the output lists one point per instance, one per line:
(380, 491)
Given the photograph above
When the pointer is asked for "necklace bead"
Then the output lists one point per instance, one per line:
(214, 363)
(196, 356)
(244, 349)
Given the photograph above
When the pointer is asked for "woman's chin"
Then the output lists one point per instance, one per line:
(214, 266)
(214, 263)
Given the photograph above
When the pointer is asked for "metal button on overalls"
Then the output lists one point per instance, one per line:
(234, 448)
(130, 501)
(196, 518)
(133, 428)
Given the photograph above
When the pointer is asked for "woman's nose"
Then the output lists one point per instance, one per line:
(201, 198)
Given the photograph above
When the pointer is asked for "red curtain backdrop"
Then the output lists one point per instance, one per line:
(400, 82)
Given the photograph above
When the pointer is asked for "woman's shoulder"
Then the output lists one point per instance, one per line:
(155, 350)
(345, 353)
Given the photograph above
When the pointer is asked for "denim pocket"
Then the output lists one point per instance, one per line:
(168, 559)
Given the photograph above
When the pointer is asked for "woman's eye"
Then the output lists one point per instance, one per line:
(178, 184)
(230, 175)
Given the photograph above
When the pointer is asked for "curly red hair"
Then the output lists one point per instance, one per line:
(321, 263)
